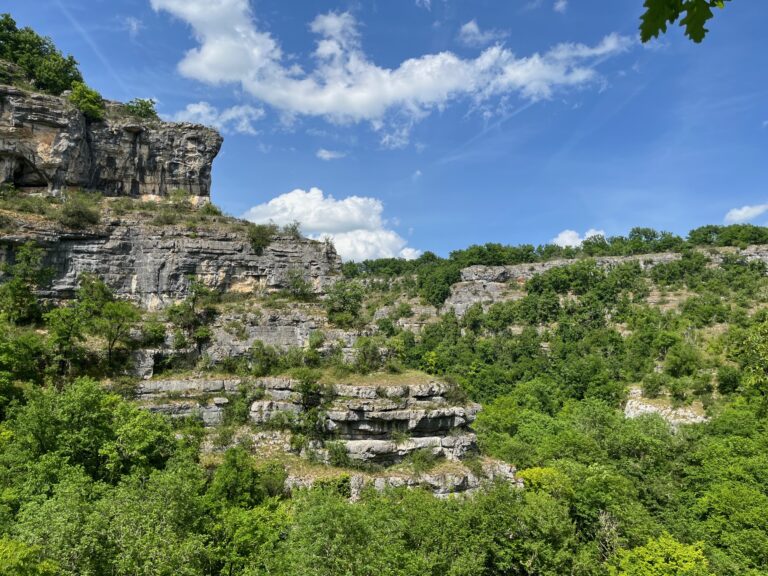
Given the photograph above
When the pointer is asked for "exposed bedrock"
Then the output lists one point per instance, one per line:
(47, 144)
(377, 424)
(152, 265)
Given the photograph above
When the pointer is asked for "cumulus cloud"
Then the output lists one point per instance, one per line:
(571, 238)
(344, 85)
(237, 119)
(471, 35)
(745, 213)
(328, 155)
(561, 6)
(355, 224)
(426, 4)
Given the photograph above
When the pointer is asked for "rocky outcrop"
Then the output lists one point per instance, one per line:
(464, 295)
(520, 273)
(152, 265)
(676, 416)
(376, 424)
(442, 483)
(47, 144)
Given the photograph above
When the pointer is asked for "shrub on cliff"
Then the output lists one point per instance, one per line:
(20, 280)
(141, 108)
(47, 68)
(80, 210)
(88, 101)
(345, 299)
(261, 236)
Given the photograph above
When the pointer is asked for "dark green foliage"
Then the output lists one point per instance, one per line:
(45, 67)
(337, 454)
(435, 282)
(728, 379)
(88, 101)
(695, 15)
(18, 302)
(238, 482)
(344, 301)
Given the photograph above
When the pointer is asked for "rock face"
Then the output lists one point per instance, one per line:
(380, 425)
(639, 406)
(152, 264)
(523, 272)
(47, 144)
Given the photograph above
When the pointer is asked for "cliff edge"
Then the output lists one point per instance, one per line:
(48, 145)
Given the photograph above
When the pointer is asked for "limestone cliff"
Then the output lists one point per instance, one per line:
(152, 264)
(47, 144)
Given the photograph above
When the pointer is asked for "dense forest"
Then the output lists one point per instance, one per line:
(92, 484)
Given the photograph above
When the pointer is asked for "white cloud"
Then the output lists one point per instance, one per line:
(132, 25)
(237, 119)
(344, 85)
(355, 224)
(573, 239)
(327, 155)
(745, 213)
(561, 6)
(471, 35)
(426, 4)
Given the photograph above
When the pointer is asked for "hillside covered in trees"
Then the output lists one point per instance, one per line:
(186, 393)
(92, 484)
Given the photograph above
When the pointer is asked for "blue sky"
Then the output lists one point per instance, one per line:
(399, 126)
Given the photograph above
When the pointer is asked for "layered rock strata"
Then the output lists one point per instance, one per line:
(380, 425)
(47, 144)
(152, 265)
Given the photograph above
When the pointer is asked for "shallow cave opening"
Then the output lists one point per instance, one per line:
(25, 175)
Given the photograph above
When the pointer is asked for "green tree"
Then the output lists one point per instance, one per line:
(663, 556)
(755, 376)
(19, 559)
(142, 108)
(26, 274)
(344, 301)
(88, 101)
(47, 68)
(695, 15)
(66, 329)
(115, 323)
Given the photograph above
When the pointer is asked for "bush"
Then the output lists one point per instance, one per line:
(654, 384)
(293, 230)
(260, 236)
(210, 209)
(728, 379)
(88, 101)
(422, 460)
(337, 454)
(298, 287)
(344, 301)
(141, 108)
(79, 211)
